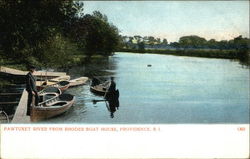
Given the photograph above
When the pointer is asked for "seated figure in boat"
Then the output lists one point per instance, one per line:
(112, 86)
(95, 82)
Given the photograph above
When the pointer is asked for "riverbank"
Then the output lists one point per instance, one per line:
(208, 53)
(78, 59)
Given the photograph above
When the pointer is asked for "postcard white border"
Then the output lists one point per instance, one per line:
(133, 141)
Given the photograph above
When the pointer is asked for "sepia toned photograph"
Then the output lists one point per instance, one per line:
(124, 62)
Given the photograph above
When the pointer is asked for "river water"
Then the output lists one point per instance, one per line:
(174, 90)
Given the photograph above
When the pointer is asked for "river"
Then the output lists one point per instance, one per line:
(174, 90)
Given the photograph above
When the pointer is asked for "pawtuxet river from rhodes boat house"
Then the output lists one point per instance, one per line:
(174, 90)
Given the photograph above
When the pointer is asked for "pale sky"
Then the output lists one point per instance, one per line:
(221, 20)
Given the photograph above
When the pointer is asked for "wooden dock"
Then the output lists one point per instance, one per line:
(9, 94)
(20, 114)
(42, 74)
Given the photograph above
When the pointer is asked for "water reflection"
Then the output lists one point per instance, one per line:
(113, 102)
(100, 67)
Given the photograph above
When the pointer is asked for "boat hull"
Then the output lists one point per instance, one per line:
(97, 91)
(43, 113)
(57, 85)
(60, 78)
(78, 82)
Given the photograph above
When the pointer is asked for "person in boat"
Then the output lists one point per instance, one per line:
(95, 82)
(112, 86)
(111, 89)
(31, 89)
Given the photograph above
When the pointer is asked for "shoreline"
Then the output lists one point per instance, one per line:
(209, 53)
(243, 56)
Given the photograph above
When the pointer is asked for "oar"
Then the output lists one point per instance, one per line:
(95, 101)
(107, 106)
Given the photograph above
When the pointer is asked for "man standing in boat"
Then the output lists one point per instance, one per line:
(31, 89)
(112, 86)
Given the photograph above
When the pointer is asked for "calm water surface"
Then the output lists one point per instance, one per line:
(174, 90)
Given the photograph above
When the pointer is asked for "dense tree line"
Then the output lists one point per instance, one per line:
(239, 45)
(186, 42)
(49, 32)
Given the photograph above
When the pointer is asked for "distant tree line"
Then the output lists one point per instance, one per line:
(193, 45)
(185, 42)
(50, 32)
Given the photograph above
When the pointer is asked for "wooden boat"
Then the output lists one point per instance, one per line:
(43, 84)
(52, 107)
(19, 76)
(48, 93)
(50, 90)
(78, 81)
(100, 89)
(62, 85)
(60, 78)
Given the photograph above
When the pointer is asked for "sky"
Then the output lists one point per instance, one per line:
(220, 20)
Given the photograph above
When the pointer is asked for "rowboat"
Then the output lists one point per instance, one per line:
(60, 78)
(78, 81)
(48, 93)
(62, 85)
(100, 89)
(43, 84)
(52, 107)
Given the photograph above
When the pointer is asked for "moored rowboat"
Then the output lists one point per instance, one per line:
(48, 93)
(52, 107)
(62, 85)
(100, 89)
(78, 81)
(60, 78)
(43, 84)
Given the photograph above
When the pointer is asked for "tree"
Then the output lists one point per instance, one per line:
(99, 15)
(175, 44)
(241, 43)
(212, 43)
(138, 38)
(164, 42)
(26, 26)
(151, 40)
(95, 35)
(141, 46)
(192, 41)
(158, 40)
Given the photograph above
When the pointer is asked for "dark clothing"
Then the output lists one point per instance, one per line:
(30, 98)
(112, 87)
(113, 100)
(31, 87)
(30, 83)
